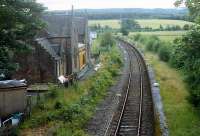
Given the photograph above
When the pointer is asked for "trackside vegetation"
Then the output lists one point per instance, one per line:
(182, 54)
(66, 111)
(186, 57)
(182, 117)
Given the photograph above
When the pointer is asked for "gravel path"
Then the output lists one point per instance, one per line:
(98, 125)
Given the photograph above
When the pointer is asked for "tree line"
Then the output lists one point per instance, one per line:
(130, 25)
(135, 13)
(186, 53)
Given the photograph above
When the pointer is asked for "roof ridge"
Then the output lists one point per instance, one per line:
(47, 46)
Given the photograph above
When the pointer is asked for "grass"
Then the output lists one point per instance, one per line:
(154, 23)
(163, 35)
(115, 24)
(182, 118)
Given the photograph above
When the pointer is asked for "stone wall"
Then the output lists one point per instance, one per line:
(36, 67)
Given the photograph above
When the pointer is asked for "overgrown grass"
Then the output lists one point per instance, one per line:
(182, 118)
(67, 110)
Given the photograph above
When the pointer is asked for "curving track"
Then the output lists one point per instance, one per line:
(134, 116)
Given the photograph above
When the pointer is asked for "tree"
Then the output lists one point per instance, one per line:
(107, 41)
(193, 6)
(128, 25)
(19, 23)
(124, 31)
(187, 57)
(161, 27)
(186, 27)
(164, 53)
(186, 54)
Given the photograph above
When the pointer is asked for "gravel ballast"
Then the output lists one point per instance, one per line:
(102, 118)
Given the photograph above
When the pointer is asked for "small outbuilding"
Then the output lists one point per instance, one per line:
(12, 97)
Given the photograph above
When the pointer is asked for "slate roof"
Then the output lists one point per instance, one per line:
(49, 47)
(11, 84)
(80, 24)
(60, 25)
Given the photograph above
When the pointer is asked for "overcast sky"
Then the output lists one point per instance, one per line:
(96, 4)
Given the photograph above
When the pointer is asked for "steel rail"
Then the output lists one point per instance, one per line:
(126, 97)
(136, 52)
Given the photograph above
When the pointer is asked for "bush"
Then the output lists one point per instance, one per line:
(164, 53)
(152, 43)
(186, 55)
(177, 56)
(194, 97)
(143, 39)
(58, 105)
(124, 31)
(106, 41)
(137, 37)
(157, 45)
(149, 45)
(186, 27)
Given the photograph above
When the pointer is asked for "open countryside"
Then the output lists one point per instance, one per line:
(99, 69)
(163, 35)
(153, 23)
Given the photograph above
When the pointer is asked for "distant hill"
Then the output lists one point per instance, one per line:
(136, 13)
(135, 10)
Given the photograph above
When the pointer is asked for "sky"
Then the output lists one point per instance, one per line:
(98, 4)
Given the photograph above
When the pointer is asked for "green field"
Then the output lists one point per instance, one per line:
(154, 23)
(115, 24)
(163, 35)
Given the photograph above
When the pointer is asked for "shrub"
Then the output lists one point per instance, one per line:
(152, 43)
(106, 41)
(157, 45)
(177, 55)
(187, 57)
(137, 37)
(164, 53)
(194, 97)
(124, 31)
(58, 105)
(149, 45)
(186, 27)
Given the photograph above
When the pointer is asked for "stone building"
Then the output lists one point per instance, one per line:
(61, 49)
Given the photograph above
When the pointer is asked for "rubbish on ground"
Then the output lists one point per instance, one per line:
(98, 66)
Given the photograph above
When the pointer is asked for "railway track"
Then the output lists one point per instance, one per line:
(134, 116)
